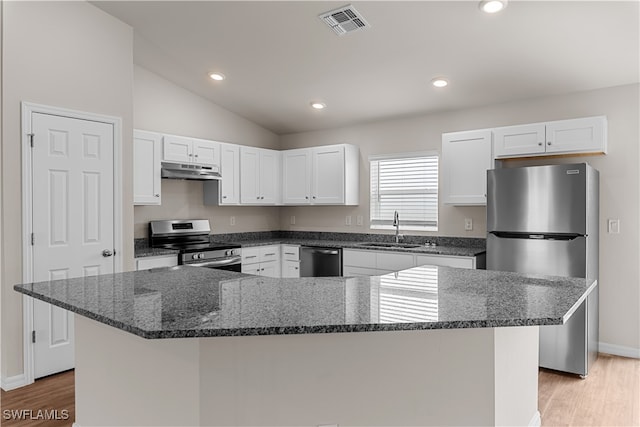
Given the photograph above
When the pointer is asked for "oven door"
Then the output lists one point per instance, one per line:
(233, 263)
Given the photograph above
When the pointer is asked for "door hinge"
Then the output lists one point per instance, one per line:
(33, 239)
(33, 336)
(31, 135)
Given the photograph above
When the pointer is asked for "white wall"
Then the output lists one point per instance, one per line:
(70, 55)
(161, 106)
(619, 184)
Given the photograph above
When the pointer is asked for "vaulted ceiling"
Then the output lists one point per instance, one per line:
(279, 56)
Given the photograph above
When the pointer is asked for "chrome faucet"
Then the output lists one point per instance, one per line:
(396, 224)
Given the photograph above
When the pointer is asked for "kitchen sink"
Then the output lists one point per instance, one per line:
(389, 245)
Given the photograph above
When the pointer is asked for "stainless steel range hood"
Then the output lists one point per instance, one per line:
(192, 172)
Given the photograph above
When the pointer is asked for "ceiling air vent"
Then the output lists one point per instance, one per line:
(344, 20)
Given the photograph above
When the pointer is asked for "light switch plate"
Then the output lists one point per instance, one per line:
(347, 220)
(292, 220)
(613, 226)
(359, 220)
(232, 220)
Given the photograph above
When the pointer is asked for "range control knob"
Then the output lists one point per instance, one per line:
(228, 253)
(201, 255)
(194, 256)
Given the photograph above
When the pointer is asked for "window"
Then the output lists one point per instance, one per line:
(407, 183)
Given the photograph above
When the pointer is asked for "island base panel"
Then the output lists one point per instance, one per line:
(431, 377)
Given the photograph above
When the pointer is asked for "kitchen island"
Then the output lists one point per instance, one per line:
(424, 346)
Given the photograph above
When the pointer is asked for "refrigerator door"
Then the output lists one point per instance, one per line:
(541, 199)
(537, 256)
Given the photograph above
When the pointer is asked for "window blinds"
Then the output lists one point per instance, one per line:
(407, 184)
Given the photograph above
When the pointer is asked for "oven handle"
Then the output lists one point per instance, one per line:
(218, 262)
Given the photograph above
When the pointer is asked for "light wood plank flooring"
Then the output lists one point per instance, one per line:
(609, 397)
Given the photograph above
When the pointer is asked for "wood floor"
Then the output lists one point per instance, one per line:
(54, 393)
(609, 397)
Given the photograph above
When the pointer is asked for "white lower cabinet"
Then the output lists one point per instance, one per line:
(146, 263)
(261, 260)
(376, 263)
(290, 255)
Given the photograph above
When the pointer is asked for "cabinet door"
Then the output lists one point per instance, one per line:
(230, 171)
(466, 157)
(290, 268)
(328, 175)
(177, 149)
(447, 261)
(250, 269)
(270, 189)
(296, 177)
(522, 140)
(394, 261)
(147, 148)
(206, 152)
(270, 269)
(578, 135)
(249, 175)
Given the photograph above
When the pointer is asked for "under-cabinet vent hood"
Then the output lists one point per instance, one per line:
(344, 20)
(188, 171)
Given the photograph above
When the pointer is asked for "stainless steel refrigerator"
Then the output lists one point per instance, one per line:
(544, 220)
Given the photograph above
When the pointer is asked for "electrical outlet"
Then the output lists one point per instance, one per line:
(232, 220)
(359, 220)
(347, 220)
(613, 226)
(468, 224)
(292, 220)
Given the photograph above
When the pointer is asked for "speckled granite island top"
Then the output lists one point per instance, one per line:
(189, 301)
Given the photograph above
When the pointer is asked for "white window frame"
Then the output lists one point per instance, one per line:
(405, 225)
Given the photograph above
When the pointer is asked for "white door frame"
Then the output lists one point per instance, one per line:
(28, 109)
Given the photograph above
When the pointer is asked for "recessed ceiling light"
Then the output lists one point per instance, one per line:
(440, 82)
(492, 6)
(217, 76)
(318, 105)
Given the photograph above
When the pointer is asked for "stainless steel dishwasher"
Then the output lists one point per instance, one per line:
(320, 262)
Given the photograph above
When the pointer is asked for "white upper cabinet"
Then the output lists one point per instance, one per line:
(259, 176)
(146, 167)
(466, 157)
(519, 140)
(296, 178)
(326, 175)
(181, 149)
(575, 136)
(225, 191)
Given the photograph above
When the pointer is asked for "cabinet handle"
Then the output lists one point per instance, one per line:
(224, 197)
(258, 197)
(156, 195)
(549, 143)
(539, 143)
(190, 155)
(262, 269)
(295, 268)
(252, 256)
(306, 197)
(314, 197)
(289, 253)
(195, 155)
(269, 254)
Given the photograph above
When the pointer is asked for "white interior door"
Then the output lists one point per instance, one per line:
(73, 222)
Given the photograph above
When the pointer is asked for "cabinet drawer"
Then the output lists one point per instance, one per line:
(446, 261)
(359, 258)
(146, 263)
(250, 255)
(290, 252)
(394, 261)
(269, 253)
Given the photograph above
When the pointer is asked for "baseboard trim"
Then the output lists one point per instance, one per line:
(536, 420)
(619, 350)
(10, 383)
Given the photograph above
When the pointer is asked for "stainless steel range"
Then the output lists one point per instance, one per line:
(191, 238)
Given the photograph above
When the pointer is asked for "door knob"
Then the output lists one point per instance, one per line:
(107, 253)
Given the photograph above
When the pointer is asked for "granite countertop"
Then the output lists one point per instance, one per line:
(185, 301)
(450, 246)
(420, 249)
